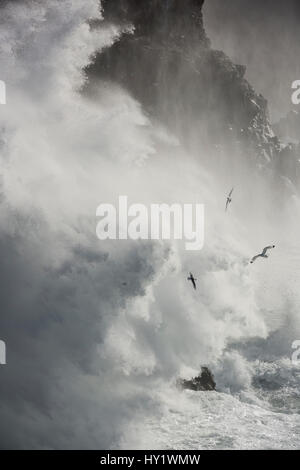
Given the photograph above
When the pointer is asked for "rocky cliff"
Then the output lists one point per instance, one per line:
(166, 62)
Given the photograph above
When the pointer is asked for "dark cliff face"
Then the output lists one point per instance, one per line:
(167, 64)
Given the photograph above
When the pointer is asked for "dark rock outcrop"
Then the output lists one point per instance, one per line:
(201, 383)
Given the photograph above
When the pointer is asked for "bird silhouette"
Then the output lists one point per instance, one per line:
(229, 199)
(193, 280)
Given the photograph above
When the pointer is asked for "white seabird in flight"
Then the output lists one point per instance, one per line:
(263, 254)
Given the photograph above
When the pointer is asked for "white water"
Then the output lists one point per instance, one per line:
(216, 421)
(101, 358)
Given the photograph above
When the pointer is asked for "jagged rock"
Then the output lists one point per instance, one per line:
(201, 383)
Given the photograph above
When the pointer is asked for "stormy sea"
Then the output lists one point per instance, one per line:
(104, 338)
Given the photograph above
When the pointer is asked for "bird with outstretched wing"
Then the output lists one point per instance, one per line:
(193, 280)
(263, 254)
(229, 199)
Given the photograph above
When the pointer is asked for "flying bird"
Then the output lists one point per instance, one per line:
(263, 254)
(193, 280)
(229, 199)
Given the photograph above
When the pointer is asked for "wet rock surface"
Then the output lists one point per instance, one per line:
(203, 382)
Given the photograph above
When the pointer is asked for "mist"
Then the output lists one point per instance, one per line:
(264, 36)
(98, 332)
